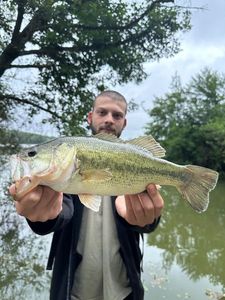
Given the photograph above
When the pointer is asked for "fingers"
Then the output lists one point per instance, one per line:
(130, 213)
(52, 207)
(141, 209)
(148, 208)
(156, 199)
(29, 200)
(144, 209)
(39, 205)
(12, 190)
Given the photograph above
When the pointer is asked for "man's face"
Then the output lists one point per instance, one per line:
(108, 116)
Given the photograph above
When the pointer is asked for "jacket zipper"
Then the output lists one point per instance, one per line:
(69, 275)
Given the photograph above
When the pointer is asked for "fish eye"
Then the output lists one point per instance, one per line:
(31, 153)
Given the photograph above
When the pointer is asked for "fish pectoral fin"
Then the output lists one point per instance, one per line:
(150, 144)
(25, 185)
(96, 175)
(91, 201)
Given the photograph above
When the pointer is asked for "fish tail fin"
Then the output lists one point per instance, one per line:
(196, 192)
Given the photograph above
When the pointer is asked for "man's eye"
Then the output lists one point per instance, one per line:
(117, 116)
(32, 153)
(102, 113)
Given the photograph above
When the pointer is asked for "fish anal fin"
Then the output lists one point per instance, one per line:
(150, 144)
(91, 201)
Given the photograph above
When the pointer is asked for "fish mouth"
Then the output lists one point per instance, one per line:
(15, 167)
(19, 168)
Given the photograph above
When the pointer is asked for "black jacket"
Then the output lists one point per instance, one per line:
(63, 253)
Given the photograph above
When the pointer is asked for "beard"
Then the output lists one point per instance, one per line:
(107, 129)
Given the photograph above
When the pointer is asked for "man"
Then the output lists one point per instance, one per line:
(96, 256)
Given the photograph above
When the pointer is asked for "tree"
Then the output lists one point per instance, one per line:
(189, 120)
(62, 52)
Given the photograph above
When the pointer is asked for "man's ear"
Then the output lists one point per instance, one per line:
(89, 117)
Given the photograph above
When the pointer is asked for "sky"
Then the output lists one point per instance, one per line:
(203, 46)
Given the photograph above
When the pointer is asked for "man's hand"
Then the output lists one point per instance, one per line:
(140, 209)
(39, 205)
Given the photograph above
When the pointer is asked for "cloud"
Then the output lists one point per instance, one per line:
(208, 24)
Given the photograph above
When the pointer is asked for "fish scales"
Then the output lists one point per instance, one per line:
(130, 162)
(124, 159)
(118, 163)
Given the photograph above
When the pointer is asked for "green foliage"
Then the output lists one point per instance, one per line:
(11, 141)
(189, 121)
(55, 55)
(9, 144)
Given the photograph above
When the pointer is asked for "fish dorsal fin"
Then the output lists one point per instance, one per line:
(108, 137)
(91, 201)
(149, 143)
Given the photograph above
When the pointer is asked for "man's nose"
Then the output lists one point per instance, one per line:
(109, 119)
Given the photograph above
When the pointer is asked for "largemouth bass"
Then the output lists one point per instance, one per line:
(106, 165)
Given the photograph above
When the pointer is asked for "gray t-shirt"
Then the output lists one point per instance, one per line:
(101, 274)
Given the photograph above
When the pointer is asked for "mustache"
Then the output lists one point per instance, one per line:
(107, 128)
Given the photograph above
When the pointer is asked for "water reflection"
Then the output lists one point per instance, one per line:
(195, 242)
(22, 254)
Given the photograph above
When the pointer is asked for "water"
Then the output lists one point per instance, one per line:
(185, 256)
(22, 254)
(183, 259)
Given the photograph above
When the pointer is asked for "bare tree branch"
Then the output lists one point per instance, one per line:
(53, 50)
(12, 51)
(36, 66)
(25, 101)
(20, 14)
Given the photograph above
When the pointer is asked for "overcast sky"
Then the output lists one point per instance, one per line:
(203, 46)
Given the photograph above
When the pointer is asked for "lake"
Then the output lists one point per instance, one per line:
(183, 259)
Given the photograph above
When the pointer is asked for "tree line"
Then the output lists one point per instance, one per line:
(189, 120)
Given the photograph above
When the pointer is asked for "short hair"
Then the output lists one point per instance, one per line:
(112, 95)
